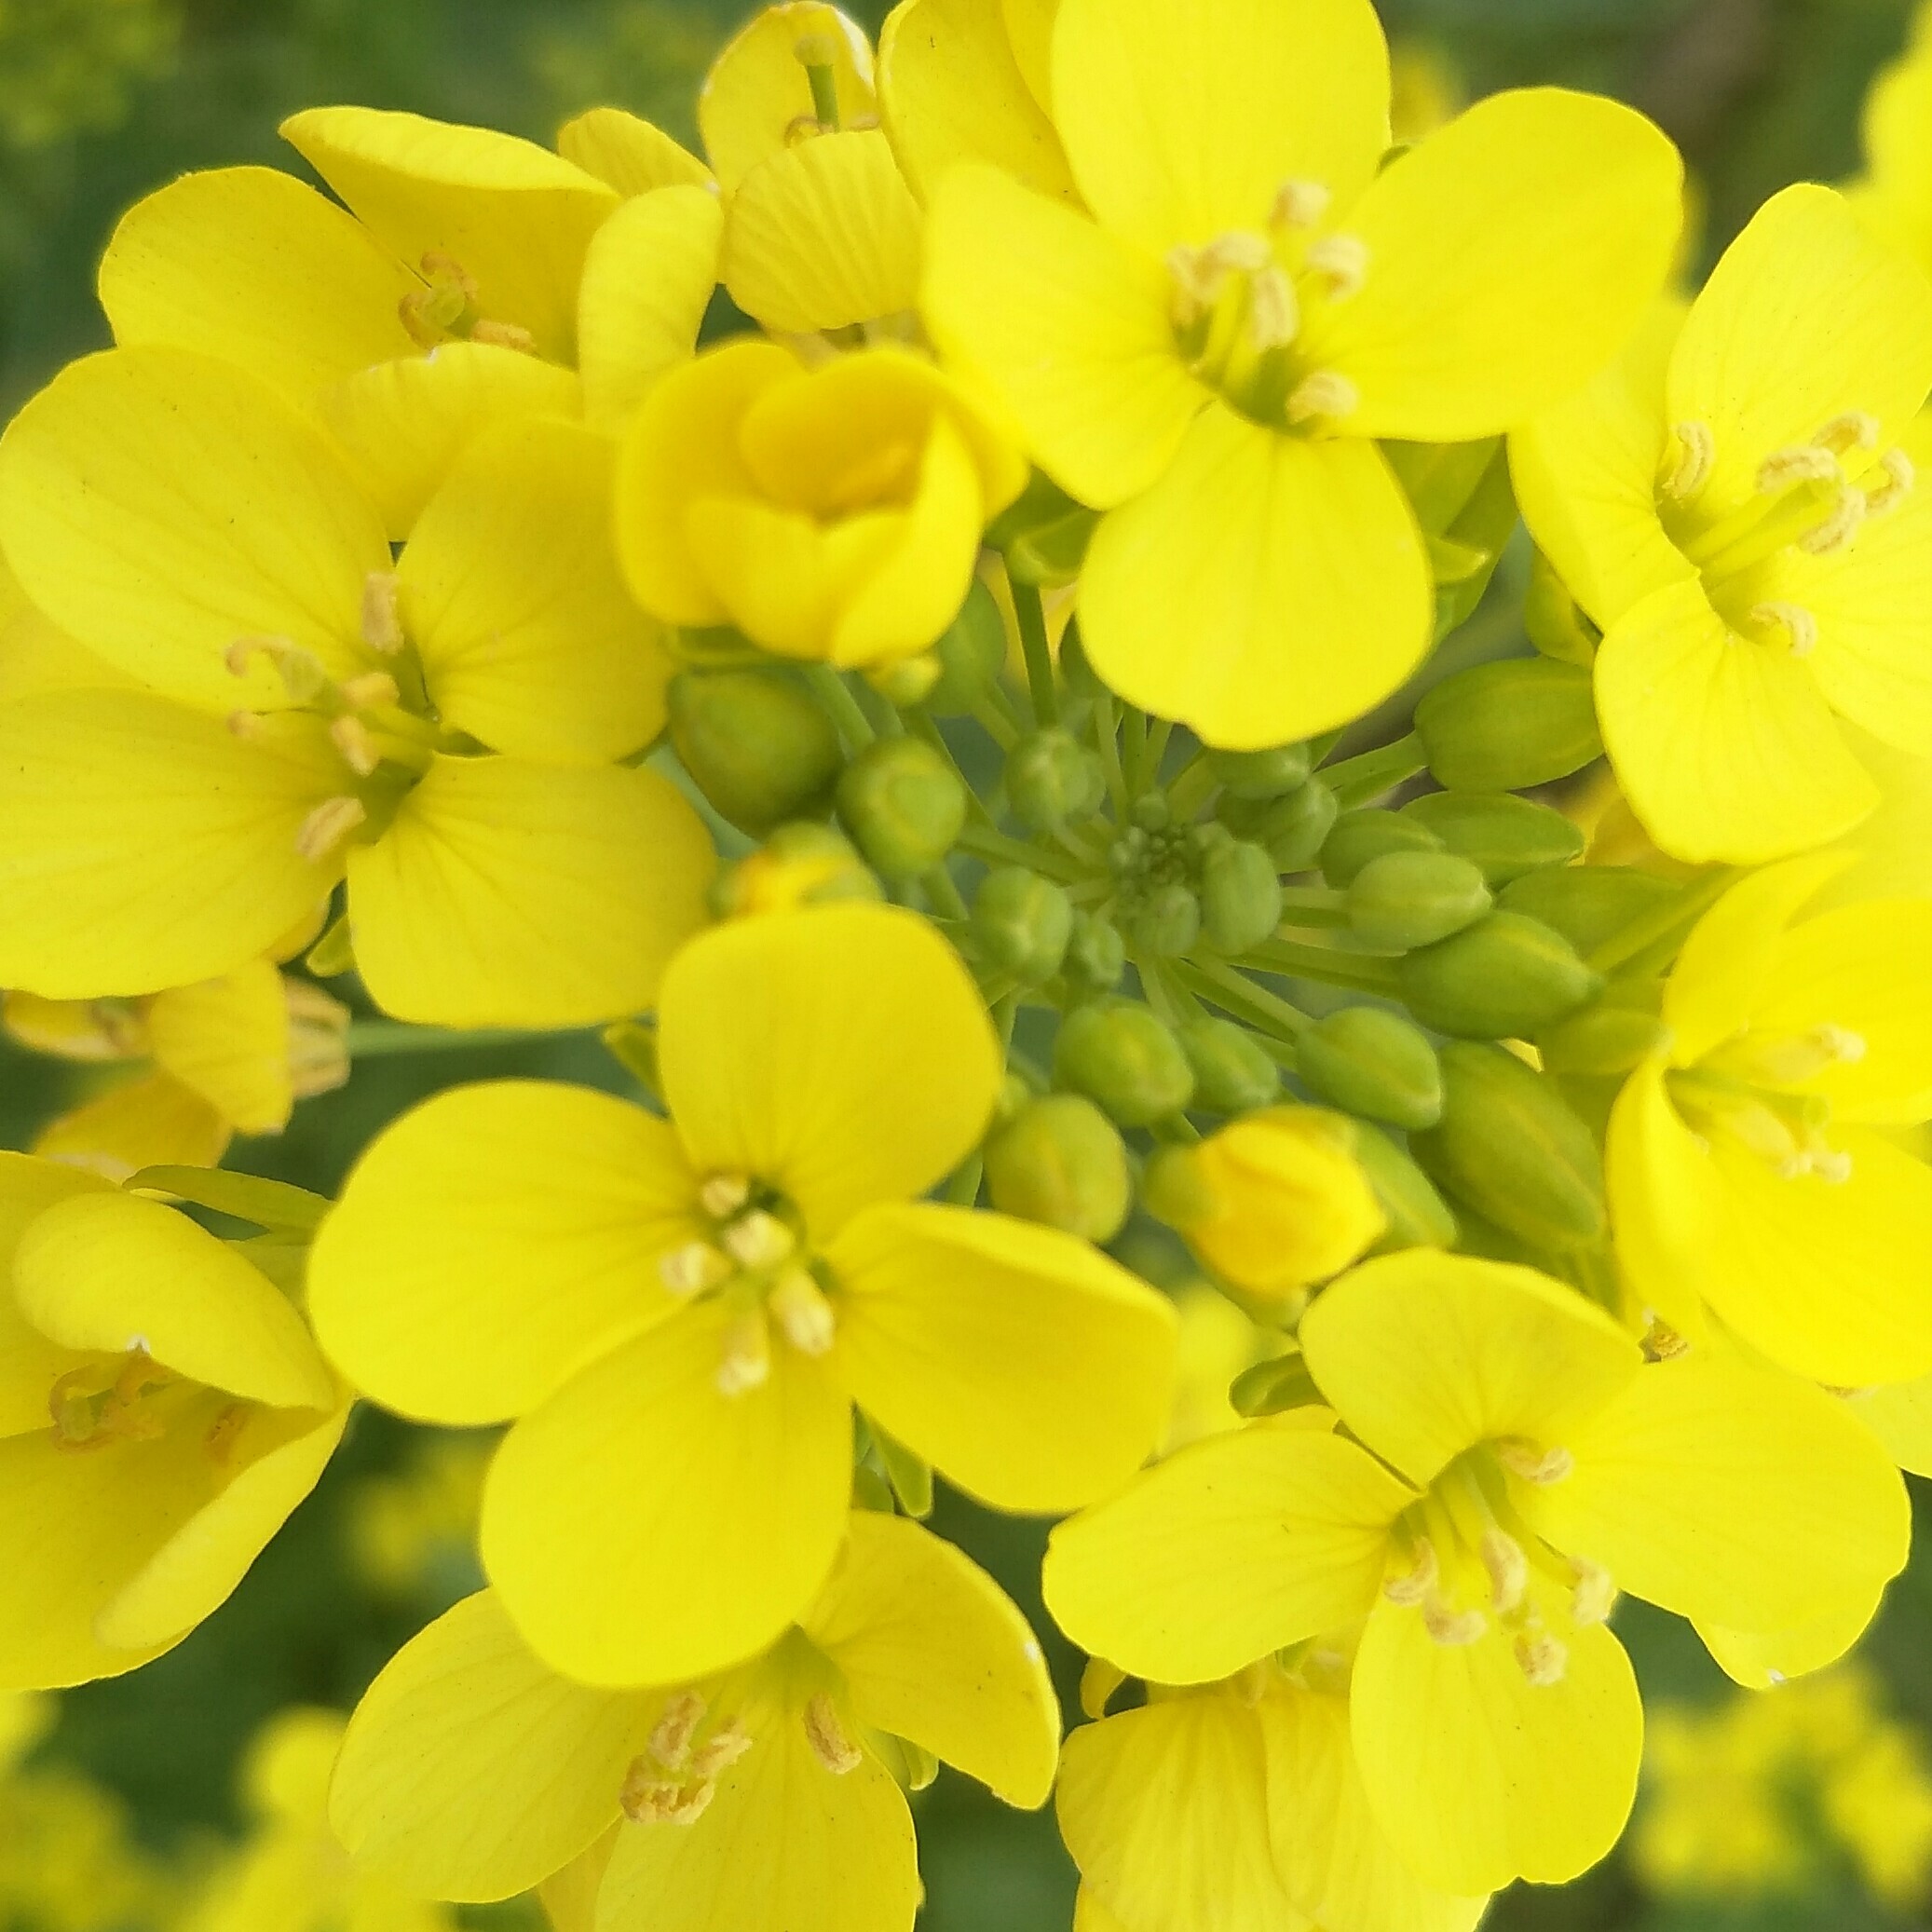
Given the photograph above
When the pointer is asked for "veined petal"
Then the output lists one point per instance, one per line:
(932, 1649)
(402, 424)
(1292, 568)
(1165, 1808)
(1184, 119)
(161, 506)
(1067, 323)
(1730, 1493)
(113, 1272)
(1426, 1354)
(758, 90)
(628, 153)
(512, 894)
(1232, 1548)
(471, 1771)
(1900, 1414)
(1510, 256)
(1891, 852)
(644, 1527)
(841, 1053)
(570, 1897)
(496, 1239)
(510, 592)
(151, 1121)
(650, 272)
(1725, 749)
(117, 810)
(227, 1039)
(1761, 1663)
(1667, 1217)
(952, 90)
(823, 234)
(1807, 317)
(516, 217)
(1021, 1362)
(253, 267)
(1586, 476)
(1478, 1775)
(29, 1363)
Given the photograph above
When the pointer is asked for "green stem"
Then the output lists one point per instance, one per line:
(1662, 921)
(1157, 737)
(1104, 742)
(1133, 748)
(847, 713)
(995, 722)
(1155, 984)
(944, 893)
(1358, 973)
(1193, 784)
(1312, 905)
(369, 1039)
(1285, 1018)
(1038, 654)
(1369, 774)
(997, 849)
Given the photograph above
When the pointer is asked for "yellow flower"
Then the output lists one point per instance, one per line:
(414, 1529)
(292, 1875)
(1210, 358)
(316, 709)
(1510, 1453)
(832, 512)
(763, 1796)
(682, 1315)
(162, 1409)
(1732, 506)
(1895, 194)
(1748, 1167)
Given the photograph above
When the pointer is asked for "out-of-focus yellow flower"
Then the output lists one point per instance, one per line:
(412, 1532)
(1426, 90)
(69, 67)
(831, 513)
(1733, 505)
(1895, 193)
(764, 1796)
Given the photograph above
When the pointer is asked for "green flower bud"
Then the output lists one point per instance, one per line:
(1292, 827)
(1096, 956)
(1022, 923)
(1367, 833)
(1418, 1216)
(1060, 1161)
(1233, 1072)
(1403, 899)
(1054, 779)
(1551, 618)
(1604, 1038)
(908, 682)
(1507, 726)
(1509, 1146)
(1506, 977)
(1239, 896)
(1586, 904)
(1366, 1060)
(1505, 835)
(802, 864)
(971, 654)
(1268, 774)
(1166, 922)
(755, 744)
(1126, 1058)
(1152, 811)
(902, 804)
(1268, 1388)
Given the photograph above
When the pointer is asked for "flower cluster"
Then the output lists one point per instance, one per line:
(940, 629)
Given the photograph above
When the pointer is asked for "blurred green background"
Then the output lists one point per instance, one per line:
(101, 100)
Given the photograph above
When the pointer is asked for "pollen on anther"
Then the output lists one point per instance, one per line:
(1323, 392)
(1839, 528)
(1696, 451)
(805, 1318)
(757, 1239)
(692, 1269)
(833, 1748)
(1900, 475)
(1343, 263)
(723, 1195)
(382, 612)
(1299, 204)
(351, 737)
(1856, 429)
(1798, 623)
(671, 1738)
(744, 1362)
(1542, 1658)
(1417, 1582)
(1807, 462)
(327, 826)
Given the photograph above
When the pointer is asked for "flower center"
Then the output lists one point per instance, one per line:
(1750, 1089)
(131, 1398)
(444, 309)
(675, 1776)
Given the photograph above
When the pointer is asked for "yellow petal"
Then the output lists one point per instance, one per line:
(643, 1527)
(1900, 1414)
(628, 153)
(932, 1649)
(1805, 318)
(1761, 1663)
(151, 1122)
(757, 92)
(114, 1272)
(1730, 1493)
(1665, 1214)
(229, 1040)
(511, 594)
(516, 217)
(1023, 1365)
(144, 845)
(1166, 1810)
(30, 1364)
(1233, 1547)
(570, 1897)
(1293, 566)
(1586, 476)
(650, 273)
(1891, 852)
(1183, 122)
(1426, 1354)
(402, 424)
(496, 1239)
(841, 1054)
(471, 1771)
(1725, 748)
(823, 234)
(1503, 1778)
(1067, 323)
(952, 90)
(1029, 27)
(253, 267)
(285, 1770)
(512, 894)
(160, 505)
(1510, 256)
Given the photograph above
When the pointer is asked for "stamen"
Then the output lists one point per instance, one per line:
(757, 1239)
(1696, 451)
(1661, 1342)
(1594, 1595)
(694, 1268)
(438, 264)
(723, 1195)
(648, 1798)
(370, 689)
(1533, 1465)
(1509, 1570)
(327, 826)
(1299, 204)
(224, 1432)
(1541, 1658)
(1858, 429)
(300, 670)
(745, 1362)
(1804, 462)
(1880, 499)
(1796, 622)
(1841, 1042)
(1831, 1165)
(671, 1740)
(1452, 1628)
(805, 1318)
(353, 740)
(510, 335)
(1323, 392)
(720, 1752)
(1275, 310)
(1839, 528)
(382, 612)
(833, 1748)
(1420, 1582)
(1343, 262)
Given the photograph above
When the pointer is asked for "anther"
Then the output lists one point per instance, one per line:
(510, 335)
(1696, 453)
(438, 264)
(1275, 310)
(1509, 1570)
(1841, 1042)
(300, 671)
(1541, 1658)
(1831, 1165)
(1661, 1342)
(1533, 1465)
(1299, 204)
(648, 1798)
(327, 826)
(1856, 429)
(1839, 528)
(369, 689)
(723, 1195)
(671, 1738)
(1595, 1593)
(382, 612)
(721, 1750)
(353, 739)
(803, 1316)
(1323, 392)
(757, 1239)
(833, 1748)
(1417, 1584)
(693, 1269)
(1805, 462)
(224, 1432)
(1343, 262)
(1880, 499)
(744, 1362)
(1795, 620)
(1452, 1628)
